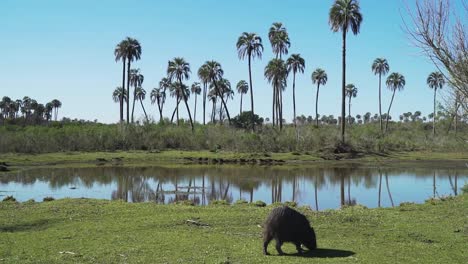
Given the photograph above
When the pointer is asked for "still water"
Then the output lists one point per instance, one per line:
(319, 188)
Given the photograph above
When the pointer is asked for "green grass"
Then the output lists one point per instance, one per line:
(96, 231)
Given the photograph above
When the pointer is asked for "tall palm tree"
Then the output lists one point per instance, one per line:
(224, 87)
(435, 81)
(56, 104)
(250, 45)
(351, 91)
(242, 88)
(395, 81)
(120, 54)
(196, 90)
(215, 74)
(280, 43)
(136, 79)
(345, 14)
(140, 94)
(132, 53)
(380, 67)
(319, 77)
(203, 75)
(158, 96)
(276, 73)
(48, 111)
(178, 69)
(295, 64)
(119, 96)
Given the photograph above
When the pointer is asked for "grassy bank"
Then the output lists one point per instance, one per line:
(17, 161)
(94, 231)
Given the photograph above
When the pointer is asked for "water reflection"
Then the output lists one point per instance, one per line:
(320, 188)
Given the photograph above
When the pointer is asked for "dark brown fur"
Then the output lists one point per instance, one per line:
(287, 225)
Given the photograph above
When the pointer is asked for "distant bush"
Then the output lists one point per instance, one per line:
(48, 199)
(259, 203)
(9, 199)
(219, 202)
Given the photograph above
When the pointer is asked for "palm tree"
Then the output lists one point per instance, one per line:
(395, 81)
(203, 75)
(178, 91)
(435, 81)
(319, 77)
(196, 89)
(158, 96)
(280, 44)
(250, 45)
(351, 91)
(276, 74)
(119, 96)
(140, 94)
(56, 104)
(345, 14)
(225, 91)
(178, 69)
(120, 54)
(215, 74)
(380, 67)
(132, 53)
(295, 64)
(48, 111)
(242, 88)
(136, 79)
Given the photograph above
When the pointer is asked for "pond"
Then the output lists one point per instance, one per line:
(318, 187)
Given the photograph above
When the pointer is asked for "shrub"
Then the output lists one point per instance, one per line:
(9, 199)
(48, 199)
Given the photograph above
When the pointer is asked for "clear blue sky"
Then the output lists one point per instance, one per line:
(64, 50)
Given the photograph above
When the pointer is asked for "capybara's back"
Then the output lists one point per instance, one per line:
(287, 225)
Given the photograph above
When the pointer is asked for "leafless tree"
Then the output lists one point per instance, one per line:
(439, 29)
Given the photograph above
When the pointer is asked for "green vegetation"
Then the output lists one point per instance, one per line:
(90, 231)
(363, 139)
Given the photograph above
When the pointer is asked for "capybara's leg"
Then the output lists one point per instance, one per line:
(279, 243)
(266, 241)
(298, 247)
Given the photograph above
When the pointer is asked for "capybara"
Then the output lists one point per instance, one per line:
(287, 225)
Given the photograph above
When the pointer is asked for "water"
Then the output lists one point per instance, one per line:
(319, 188)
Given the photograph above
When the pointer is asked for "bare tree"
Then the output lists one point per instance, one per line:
(439, 29)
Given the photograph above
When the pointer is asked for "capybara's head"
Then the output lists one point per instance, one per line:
(309, 240)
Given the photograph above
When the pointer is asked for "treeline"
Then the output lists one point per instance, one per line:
(365, 138)
(27, 111)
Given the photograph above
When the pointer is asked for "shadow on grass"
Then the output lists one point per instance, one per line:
(324, 253)
(30, 226)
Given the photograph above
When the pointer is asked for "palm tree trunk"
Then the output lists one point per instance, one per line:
(434, 184)
(343, 110)
(274, 106)
(380, 102)
(160, 111)
(195, 110)
(434, 116)
(281, 107)
(144, 111)
(294, 99)
(134, 99)
(175, 111)
(223, 102)
(316, 105)
(123, 87)
(204, 102)
(388, 112)
(349, 110)
(128, 91)
(251, 94)
(186, 105)
(240, 112)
